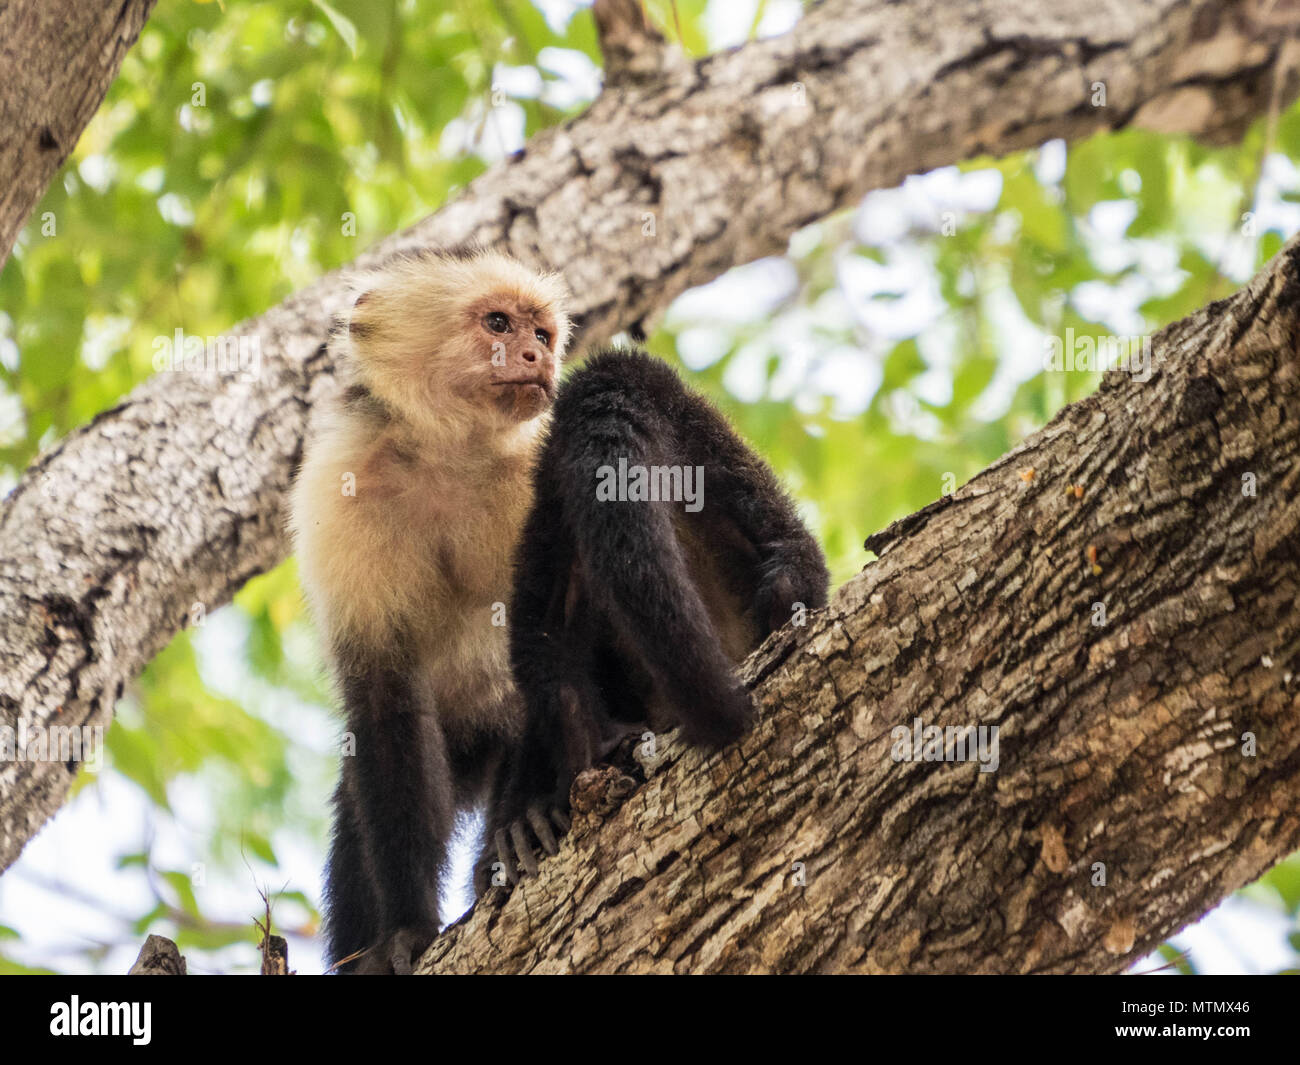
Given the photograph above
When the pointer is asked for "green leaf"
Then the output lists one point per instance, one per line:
(342, 25)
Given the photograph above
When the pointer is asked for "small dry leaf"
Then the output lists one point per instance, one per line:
(1053, 854)
(1120, 936)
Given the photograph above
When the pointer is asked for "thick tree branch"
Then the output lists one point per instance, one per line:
(1126, 801)
(57, 60)
(174, 497)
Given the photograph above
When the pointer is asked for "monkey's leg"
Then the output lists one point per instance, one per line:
(404, 812)
(550, 647)
(530, 811)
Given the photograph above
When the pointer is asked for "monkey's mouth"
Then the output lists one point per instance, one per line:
(524, 398)
(524, 383)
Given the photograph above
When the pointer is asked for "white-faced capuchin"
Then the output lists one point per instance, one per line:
(659, 552)
(406, 515)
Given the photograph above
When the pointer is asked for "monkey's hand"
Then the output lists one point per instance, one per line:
(514, 847)
(396, 954)
(714, 721)
(789, 580)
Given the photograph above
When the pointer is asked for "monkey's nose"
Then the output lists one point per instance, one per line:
(529, 355)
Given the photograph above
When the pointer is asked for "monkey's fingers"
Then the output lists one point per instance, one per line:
(400, 960)
(561, 819)
(537, 819)
(523, 848)
(504, 856)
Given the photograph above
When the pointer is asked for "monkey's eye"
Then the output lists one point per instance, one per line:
(497, 322)
(544, 337)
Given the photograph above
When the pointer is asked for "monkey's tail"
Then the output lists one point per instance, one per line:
(621, 407)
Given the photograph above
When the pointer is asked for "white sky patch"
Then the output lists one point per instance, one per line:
(780, 16)
(193, 119)
(151, 180)
(102, 337)
(490, 132)
(1279, 177)
(700, 346)
(13, 420)
(175, 209)
(728, 24)
(502, 133)
(1049, 162)
(577, 79)
(558, 12)
(848, 375)
(1103, 232)
(1114, 305)
(893, 300)
(747, 293)
(97, 171)
(1021, 347)
(746, 374)
(522, 82)
(886, 216)
(1241, 937)
(9, 354)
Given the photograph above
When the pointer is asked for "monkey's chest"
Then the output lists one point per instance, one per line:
(465, 656)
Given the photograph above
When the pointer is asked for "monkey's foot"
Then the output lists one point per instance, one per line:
(515, 843)
(397, 954)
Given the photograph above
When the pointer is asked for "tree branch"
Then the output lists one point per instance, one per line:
(175, 497)
(57, 60)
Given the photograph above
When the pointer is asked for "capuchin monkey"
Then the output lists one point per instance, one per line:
(406, 515)
(660, 551)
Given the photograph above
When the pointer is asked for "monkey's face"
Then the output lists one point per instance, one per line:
(450, 343)
(517, 347)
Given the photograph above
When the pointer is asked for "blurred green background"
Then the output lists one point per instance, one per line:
(895, 350)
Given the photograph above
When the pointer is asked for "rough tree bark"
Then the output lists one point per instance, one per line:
(175, 496)
(57, 60)
(1125, 691)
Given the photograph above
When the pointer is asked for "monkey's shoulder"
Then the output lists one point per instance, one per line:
(622, 372)
(625, 401)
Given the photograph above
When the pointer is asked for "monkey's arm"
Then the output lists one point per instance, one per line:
(394, 821)
(621, 407)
